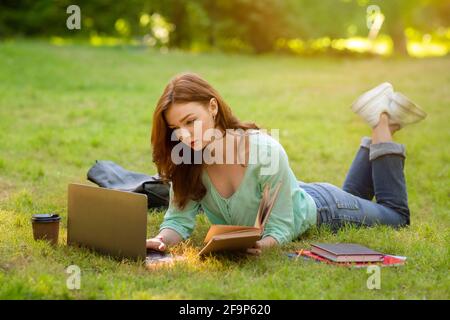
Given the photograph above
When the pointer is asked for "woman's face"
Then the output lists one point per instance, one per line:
(190, 121)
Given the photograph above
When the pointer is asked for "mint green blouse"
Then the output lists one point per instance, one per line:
(294, 210)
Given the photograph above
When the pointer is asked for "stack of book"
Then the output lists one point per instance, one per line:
(348, 254)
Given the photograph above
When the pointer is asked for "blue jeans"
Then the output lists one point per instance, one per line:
(377, 170)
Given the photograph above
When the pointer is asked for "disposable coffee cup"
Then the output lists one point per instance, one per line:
(46, 227)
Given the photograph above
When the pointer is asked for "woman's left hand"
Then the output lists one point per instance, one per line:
(256, 249)
(265, 242)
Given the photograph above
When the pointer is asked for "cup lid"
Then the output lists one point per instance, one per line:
(45, 217)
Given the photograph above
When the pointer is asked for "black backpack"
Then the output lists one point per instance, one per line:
(108, 174)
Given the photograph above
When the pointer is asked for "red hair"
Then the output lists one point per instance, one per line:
(186, 178)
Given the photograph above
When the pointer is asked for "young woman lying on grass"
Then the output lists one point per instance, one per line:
(228, 190)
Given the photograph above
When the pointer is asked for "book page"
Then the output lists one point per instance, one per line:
(267, 203)
(221, 229)
(237, 234)
(260, 209)
(240, 243)
(271, 204)
(262, 206)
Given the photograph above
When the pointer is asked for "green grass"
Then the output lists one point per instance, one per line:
(61, 108)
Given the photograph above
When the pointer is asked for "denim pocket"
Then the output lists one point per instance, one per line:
(342, 199)
(343, 207)
(347, 203)
(348, 208)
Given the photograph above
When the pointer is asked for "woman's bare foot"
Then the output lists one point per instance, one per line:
(382, 132)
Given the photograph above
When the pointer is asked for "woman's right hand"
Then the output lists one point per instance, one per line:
(156, 243)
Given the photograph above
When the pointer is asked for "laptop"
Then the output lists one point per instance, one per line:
(108, 221)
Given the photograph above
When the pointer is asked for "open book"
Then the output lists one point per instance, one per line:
(229, 237)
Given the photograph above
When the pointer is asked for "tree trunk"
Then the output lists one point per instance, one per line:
(399, 39)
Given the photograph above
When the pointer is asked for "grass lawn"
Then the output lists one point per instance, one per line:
(61, 108)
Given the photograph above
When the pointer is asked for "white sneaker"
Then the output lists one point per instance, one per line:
(401, 110)
(371, 104)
